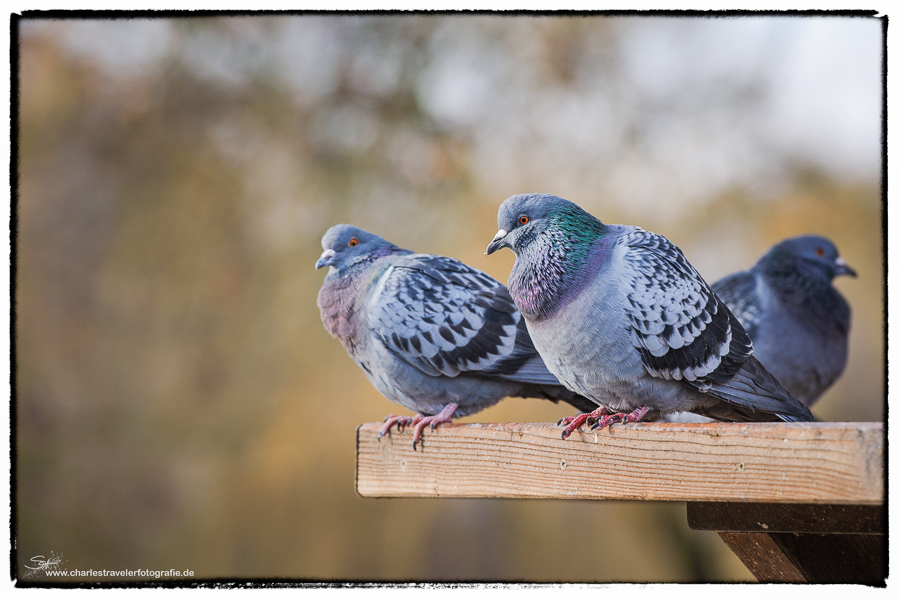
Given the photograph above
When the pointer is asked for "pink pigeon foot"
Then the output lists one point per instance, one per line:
(445, 415)
(620, 417)
(393, 419)
(573, 422)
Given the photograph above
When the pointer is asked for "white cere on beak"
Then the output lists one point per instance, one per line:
(327, 254)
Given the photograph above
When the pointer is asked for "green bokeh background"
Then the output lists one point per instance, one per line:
(179, 404)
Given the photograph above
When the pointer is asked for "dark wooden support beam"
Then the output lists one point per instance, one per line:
(786, 517)
(800, 542)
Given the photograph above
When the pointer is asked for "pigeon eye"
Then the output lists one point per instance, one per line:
(353, 242)
(523, 220)
(820, 252)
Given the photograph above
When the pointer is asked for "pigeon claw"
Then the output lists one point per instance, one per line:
(390, 421)
(606, 421)
(445, 415)
(573, 422)
(622, 417)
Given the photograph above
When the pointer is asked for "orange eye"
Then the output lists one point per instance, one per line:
(523, 220)
(820, 252)
(353, 242)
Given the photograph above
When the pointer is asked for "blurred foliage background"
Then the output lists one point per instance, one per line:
(179, 404)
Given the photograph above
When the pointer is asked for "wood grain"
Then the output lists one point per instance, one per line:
(790, 557)
(818, 462)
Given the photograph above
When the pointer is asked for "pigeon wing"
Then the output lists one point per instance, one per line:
(446, 318)
(681, 329)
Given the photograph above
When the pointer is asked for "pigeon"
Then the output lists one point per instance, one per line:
(621, 317)
(431, 333)
(797, 320)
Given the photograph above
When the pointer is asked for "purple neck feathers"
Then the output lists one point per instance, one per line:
(344, 293)
(551, 272)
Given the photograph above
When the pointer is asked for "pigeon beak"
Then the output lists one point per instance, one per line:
(499, 241)
(842, 268)
(325, 258)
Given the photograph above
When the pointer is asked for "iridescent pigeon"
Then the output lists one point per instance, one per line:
(431, 334)
(620, 316)
(797, 320)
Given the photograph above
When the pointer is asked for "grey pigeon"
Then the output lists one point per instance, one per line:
(432, 334)
(620, 316)
(797, 320)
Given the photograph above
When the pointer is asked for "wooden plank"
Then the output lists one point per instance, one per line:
(786, 517)
(789, 557)
(816, 462)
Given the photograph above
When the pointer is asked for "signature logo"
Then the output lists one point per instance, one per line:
(43, 564)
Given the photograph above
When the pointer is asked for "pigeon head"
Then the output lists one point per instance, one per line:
(809, 253)
(554, 242)
(526, 217)
(346, 245)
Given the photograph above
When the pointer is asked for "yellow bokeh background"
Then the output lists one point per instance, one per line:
(178, 402)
